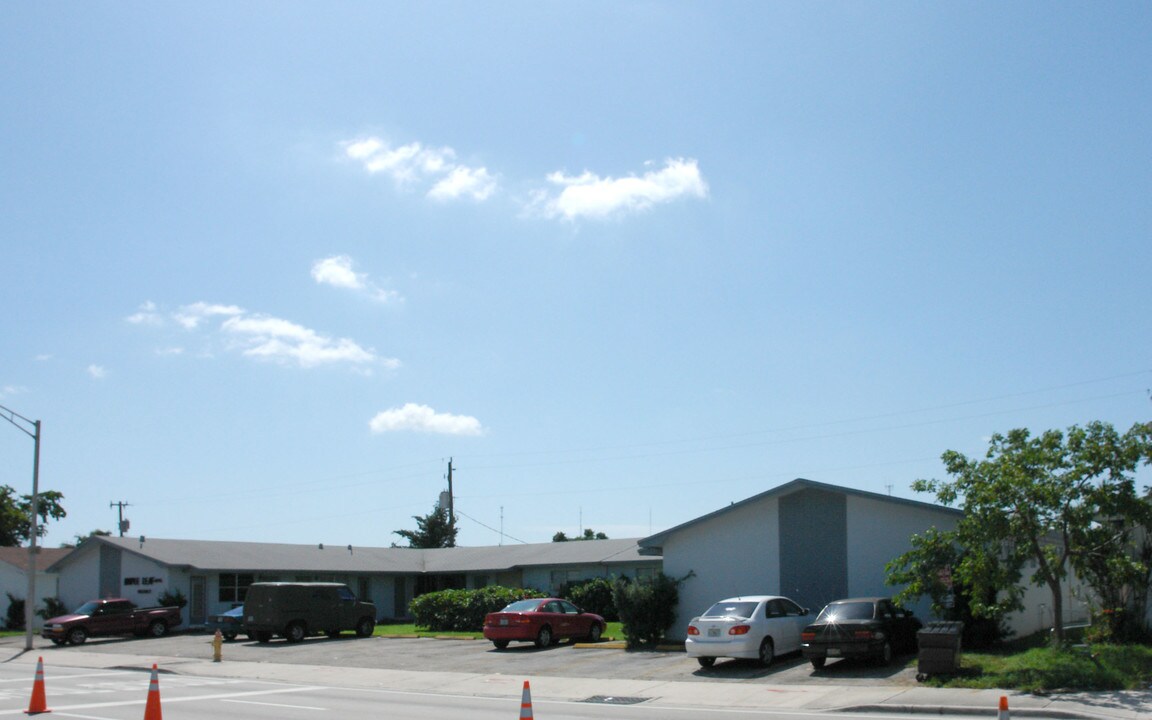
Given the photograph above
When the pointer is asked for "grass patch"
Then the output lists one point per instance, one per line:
(1047, 669)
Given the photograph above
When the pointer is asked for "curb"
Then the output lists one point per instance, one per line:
(964, 710)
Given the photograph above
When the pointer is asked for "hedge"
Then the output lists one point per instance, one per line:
(464, 610)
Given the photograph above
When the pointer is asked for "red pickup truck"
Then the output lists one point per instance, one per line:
(110, 616)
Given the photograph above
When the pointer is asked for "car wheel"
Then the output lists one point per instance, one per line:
(706, 662)
(295, 632)
(229, 636)
(263, 636)
(77, 636)
(158, 629)
(885, 655)
(817, 663)
(594, 633)
(544, 637)
(767, 652)
(365, 627)
(500, 644)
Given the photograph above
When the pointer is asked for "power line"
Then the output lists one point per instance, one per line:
(502, 534)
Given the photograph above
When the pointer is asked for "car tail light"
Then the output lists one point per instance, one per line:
(739, 630)
(807, 637)
(693, 630)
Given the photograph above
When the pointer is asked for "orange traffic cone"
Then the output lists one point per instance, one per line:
(152, 707)
(525, 703)
(39, 702)
(1003, 714)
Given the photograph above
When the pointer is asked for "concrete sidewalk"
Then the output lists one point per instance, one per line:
(1131, 705)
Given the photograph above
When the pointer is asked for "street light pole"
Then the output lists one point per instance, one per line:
(30, 599)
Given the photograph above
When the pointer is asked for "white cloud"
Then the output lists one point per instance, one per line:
(264, 337)
(421, 418)
(269, 338)
(7, 391)
(190, 316)
(416, 165)
(476, 183)
(337, 271)
(146, 315)
(97, 372)
(589, 195)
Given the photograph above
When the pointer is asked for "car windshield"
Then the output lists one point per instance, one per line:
(838, 612)
(741, 609)
(86, 609)
(521, 606)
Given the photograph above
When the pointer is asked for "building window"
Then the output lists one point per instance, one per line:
(234, 586)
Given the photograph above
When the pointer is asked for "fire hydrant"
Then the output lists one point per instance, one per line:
(217, 644)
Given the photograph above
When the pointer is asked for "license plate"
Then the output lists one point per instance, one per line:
(713, 632)
(503, 621)
(833, 652)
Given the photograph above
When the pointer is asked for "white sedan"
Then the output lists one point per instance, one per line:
(753, 627)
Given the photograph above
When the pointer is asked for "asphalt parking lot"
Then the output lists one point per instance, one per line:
(478, 656)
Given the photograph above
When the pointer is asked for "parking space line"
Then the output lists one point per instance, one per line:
(282, 705)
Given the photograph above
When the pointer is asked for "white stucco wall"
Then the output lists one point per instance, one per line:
(143, 581)
(1037, 614)
(879, 532)
(80, 582)
(736, 553)
(14, 580)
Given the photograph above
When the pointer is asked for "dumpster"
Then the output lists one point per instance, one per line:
(939, 643)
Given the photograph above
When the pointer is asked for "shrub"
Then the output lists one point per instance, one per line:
(15, 619)
(464, 610)
(172, 597)
(53, 607)
(594, 596)
(647, 607)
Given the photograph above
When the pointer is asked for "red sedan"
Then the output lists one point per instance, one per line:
(544, 621)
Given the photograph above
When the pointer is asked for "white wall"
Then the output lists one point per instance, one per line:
(737, 553)
(1037, 613)
(15, 580)
(879, 532)
(81, 581)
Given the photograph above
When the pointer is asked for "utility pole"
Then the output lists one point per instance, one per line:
(451, 499)
(123, 524)
(35, 433)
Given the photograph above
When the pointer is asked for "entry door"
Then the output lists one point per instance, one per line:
(198, 603)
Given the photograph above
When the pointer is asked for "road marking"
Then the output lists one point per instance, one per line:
(170, 700)
(294, 707)
(54, 676)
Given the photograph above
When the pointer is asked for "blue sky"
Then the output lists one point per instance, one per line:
(268, 266)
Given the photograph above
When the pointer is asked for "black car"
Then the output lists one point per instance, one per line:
(230, 624)
(870, 627)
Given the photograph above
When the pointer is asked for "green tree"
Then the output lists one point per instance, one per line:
(82, 538)
(16, 515)
(434, 530)
(933, 568)
(1040, 501)
(589, 534)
